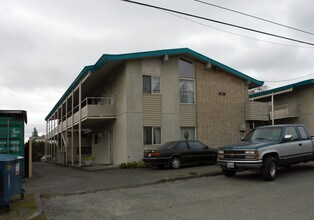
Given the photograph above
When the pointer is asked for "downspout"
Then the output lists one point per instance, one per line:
(46, 137)
(80, 124)
(72, 130)
(272, 109)
(66, 130)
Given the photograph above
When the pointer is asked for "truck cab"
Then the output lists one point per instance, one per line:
(266, 148)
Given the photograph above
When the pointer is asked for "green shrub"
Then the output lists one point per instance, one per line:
(133, 165)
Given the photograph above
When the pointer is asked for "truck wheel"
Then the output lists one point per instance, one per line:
(175, 162)
(269, 169)
(229, 173)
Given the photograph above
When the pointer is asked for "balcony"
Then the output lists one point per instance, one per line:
(285, 111)
(257, 111)
(91, 108)
(98, 107)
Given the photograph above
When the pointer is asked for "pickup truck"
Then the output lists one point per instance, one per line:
(266, 148)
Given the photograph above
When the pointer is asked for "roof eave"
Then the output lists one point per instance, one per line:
(283, 88)
(109, 57)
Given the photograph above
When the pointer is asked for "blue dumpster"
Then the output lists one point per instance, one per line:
(11, 175)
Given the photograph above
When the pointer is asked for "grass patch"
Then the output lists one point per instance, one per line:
(21, 209)
(133, 165)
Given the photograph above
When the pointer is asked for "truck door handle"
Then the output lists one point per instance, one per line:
(300, 144)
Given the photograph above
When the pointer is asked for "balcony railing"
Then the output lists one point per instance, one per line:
(98, 107)
(257, 111)
(285, 111)
(91, 107)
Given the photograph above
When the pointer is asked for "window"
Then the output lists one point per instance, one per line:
(151, 84)
(187, 133)
(97, 138)
(272, 134)
(293, 132)
(196, 145)
(186, 91)
(182, 146)
(186, 69)
(152, 135)
(303, 133)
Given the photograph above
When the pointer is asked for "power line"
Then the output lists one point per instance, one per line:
(229, 32)
(289, 79)
(252, 16)
(219, 22)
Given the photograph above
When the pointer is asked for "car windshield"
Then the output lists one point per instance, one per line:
(167, 145)
(262, 134)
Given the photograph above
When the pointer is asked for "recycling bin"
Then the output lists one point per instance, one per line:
(11, 177)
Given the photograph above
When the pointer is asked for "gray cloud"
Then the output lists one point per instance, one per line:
(45, 44)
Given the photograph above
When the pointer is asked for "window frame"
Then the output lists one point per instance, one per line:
(151, 87)
(152, 130)
(295, 130)
(186, 77)
(186, 127)
(302, 132)
(193, 81)
(181, 75)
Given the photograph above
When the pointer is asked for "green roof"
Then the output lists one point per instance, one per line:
(279, 89)
(105, 58)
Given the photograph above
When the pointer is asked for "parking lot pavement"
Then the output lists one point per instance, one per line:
(245, 196)
(52, 179)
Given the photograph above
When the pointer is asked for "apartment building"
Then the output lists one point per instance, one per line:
(127, 102)
(292, 103)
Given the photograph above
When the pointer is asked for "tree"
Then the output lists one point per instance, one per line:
(258, 89)
(35, 133)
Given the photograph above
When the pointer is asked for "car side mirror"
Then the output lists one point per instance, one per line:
(288, 137)
(206, 147)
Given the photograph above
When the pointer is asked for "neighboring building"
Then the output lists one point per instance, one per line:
(125, 103)
(291, 104)
(38, 139)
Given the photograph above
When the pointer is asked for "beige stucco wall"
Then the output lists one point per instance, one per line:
(134, 120)
(118, 87)
(170, 100)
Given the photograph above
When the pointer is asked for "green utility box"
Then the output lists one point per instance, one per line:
(12, 132)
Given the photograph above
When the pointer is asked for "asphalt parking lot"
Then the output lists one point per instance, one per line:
(245, 196)
(52, 179)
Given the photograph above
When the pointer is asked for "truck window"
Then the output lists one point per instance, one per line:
(293, 132)
(268, 134)
(303, 133)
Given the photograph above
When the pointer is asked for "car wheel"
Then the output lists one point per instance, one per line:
(229, 173)
(269, 169)
(175, 162)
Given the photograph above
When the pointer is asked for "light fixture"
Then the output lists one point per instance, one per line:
(165, 58)
(208, 65)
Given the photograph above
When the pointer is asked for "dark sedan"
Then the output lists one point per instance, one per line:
(176, 153)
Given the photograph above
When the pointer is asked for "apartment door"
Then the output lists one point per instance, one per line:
(108, 152)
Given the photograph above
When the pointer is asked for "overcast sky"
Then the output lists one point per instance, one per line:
(44, 44)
